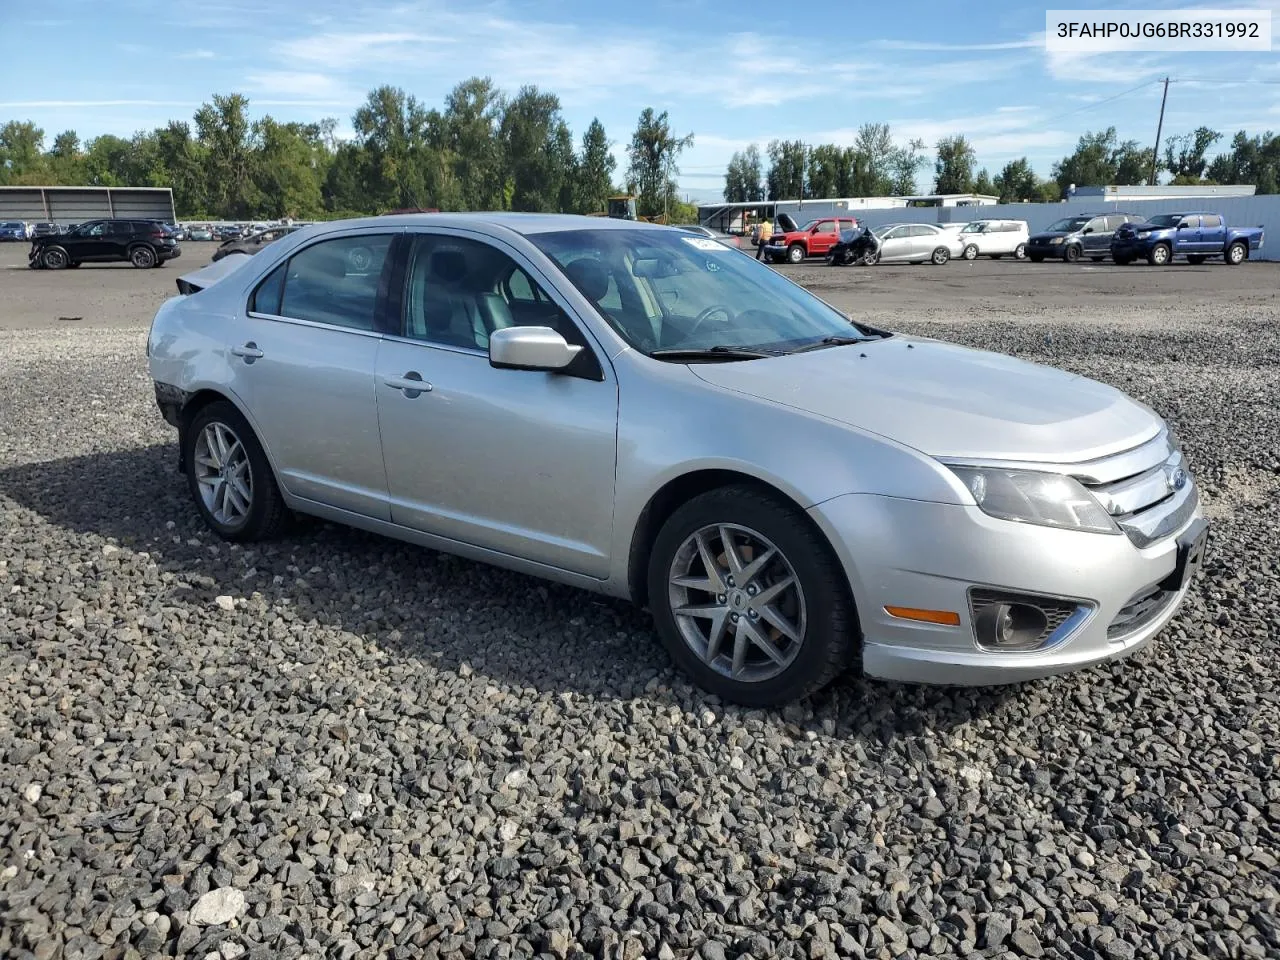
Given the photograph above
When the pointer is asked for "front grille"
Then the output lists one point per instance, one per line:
(1056, 612)
(1142, 608)
(1146, 490)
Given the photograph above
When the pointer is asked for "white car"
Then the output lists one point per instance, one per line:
(993, 238)
(916, 243)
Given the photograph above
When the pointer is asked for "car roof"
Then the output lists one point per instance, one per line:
(527, 224)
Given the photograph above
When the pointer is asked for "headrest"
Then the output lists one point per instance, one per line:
(448, 266)
(590, 277)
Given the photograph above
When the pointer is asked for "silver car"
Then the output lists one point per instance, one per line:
(645, 413)
(916, 243)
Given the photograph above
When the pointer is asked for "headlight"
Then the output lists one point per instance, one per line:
(1045, 499)
(1055, 240)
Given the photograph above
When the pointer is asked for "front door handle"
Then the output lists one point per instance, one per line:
(249, 352)
(411, 383)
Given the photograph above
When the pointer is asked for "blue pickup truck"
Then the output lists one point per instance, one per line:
(1196, 236)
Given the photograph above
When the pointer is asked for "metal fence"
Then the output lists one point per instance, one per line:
(1257, 211)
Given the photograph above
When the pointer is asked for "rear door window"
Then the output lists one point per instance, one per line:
(1213, 222)
(336, 281)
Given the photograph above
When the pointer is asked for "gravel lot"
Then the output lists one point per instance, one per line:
(339, 746)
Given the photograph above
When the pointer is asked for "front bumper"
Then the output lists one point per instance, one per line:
(906, 553)
(1133, 249)
(1046, 249)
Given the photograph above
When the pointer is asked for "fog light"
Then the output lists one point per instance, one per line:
(1010, 626)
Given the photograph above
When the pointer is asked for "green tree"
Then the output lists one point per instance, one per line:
(1253, 160)
(954, 165)
(534, 138)
(223, 131)
(66, 161)
(595, 168)
(21, 153)
(469, 133)
(1100, 159)
(653, 156)
(906, 163)
(826, 169)
(786, 169)
(983, 184)
(290, 164)
(1017, 182)
(1184, 155)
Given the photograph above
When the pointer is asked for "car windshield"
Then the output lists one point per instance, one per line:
(1166, 220)
(882, 230)
(808, 226)
(665, 291)
(974, 228)
(1068, 224)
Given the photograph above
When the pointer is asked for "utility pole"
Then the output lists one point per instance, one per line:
(1155, 153)
(804, 163)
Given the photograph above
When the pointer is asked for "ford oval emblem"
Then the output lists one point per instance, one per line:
(1177, 478)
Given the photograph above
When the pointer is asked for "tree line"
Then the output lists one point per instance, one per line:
(482, 150)
(875, 165)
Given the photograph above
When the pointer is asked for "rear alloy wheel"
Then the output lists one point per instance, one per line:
(1237, 253)
(1160, 255)
(1072, 253)
(970, 252)
(795, 253)
(749, 599)
(229, 476)
(54, 258)
(144, 258)
(1020, 251)
(940, 256)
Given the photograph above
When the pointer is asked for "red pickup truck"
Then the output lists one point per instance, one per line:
(814, 239)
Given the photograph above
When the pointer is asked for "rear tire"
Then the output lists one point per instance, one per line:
(940, 256)
(1237, 254)
(237, 461)
(1020, 252)
(817, 610)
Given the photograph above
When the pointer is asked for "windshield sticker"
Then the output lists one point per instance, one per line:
(704, 243)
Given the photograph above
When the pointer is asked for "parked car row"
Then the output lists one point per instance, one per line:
(1120, 237)
(23, 230)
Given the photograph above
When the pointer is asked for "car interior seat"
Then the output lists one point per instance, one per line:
(439, 308)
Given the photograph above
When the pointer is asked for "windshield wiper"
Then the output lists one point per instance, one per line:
(718, 352)
(829, 342)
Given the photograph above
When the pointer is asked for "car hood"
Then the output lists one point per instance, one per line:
(1050, 234)
(947, 400)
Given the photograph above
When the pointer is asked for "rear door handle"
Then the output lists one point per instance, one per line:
(249, 352)
(411, 383)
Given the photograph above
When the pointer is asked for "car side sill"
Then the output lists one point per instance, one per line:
(454, 547)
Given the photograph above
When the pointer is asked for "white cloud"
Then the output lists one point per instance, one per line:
(287, 83)
(197, 55)
(1034, 40)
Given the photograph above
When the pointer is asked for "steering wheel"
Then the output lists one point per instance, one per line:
(706, 315)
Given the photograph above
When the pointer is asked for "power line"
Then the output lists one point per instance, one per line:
(1098, 103)
(1222, 80)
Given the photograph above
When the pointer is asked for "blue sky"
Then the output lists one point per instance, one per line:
(926, 68)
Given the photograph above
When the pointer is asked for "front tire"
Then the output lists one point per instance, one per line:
(749, 599)
(54, 258)
(970, 252)
(1237, 253)
(1072, 253)
(795, 253)
(1160, 255)
(229, 476)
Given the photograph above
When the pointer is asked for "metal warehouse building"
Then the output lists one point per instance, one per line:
(77, 204)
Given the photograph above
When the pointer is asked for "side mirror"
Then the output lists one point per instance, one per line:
(1087, 230)
(530, 348)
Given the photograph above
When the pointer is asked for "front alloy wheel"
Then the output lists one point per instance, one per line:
(971, 252)
(55, 258)
(737, 602)
(749, 598)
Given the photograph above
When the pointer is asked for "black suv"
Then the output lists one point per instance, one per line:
(144, 243)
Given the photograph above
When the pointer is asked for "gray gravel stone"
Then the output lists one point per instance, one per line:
(377, 751)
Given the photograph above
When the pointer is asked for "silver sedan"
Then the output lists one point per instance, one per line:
(645, 413)
(916, 243)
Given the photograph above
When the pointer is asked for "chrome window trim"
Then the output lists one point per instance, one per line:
(318, 324)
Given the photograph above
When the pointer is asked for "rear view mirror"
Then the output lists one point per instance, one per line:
(530, 348)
